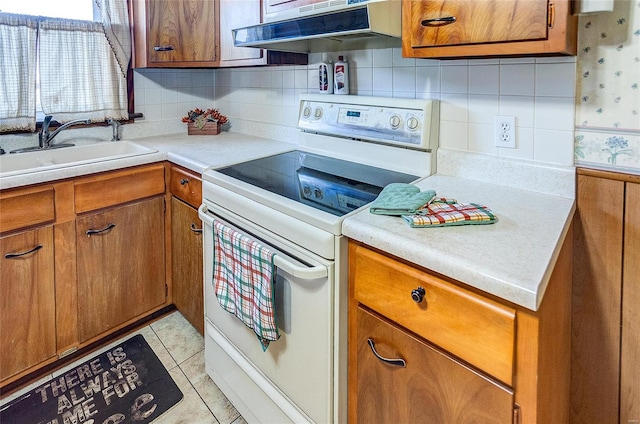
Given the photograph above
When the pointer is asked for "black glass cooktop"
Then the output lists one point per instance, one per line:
(333, 185)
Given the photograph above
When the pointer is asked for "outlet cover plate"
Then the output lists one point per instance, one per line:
(505, 131)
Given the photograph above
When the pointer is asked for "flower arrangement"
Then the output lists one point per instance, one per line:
(200, 118)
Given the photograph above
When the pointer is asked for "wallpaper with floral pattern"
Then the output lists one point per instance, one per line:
(608, 89)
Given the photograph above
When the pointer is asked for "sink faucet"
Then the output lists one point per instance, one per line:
(45, 137)
(115, 126)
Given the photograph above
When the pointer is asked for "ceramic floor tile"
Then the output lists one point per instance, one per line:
(180, 338)
(191, 409)
(239, 420)
(219, 405)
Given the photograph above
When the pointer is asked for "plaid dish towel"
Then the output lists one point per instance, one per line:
(445, 212)
(243, 275)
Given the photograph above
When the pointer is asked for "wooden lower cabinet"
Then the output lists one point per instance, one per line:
(630, 356)
(428, 387)
(447, 334)
(120, 265)
(186, 262)
(27, 307)
(606, 293)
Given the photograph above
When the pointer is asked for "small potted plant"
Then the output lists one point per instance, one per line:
(204, 122)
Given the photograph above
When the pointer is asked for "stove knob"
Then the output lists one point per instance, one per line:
(395, 121)
(306, 190)
(317, 193)
(317, 113)
(413, 123)
(306, 112)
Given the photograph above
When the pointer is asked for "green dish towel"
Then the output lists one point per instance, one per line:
(400, 199)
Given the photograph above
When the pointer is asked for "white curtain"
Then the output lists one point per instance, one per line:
(18, 72)
(114, 15)
(79, 75)
(83, 66)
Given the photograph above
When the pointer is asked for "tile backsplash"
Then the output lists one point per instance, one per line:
(539, 92)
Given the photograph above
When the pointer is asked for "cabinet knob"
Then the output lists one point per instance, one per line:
(417, 294)
(184, 181)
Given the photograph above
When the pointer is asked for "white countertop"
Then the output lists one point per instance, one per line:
(512, 258)
(193, 152)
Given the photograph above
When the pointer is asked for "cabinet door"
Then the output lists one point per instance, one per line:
(471, 28)
(455, 22)
(431, 388)
(182, 32)
(27, 307)
(630, 360)
(186, 262)
(121, 265)
(596, 310)
(236, 14)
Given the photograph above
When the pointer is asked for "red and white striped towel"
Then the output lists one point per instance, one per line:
(243, 275)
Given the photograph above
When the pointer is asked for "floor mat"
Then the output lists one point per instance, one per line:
(125, 384)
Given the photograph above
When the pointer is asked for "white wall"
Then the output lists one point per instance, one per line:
(539, 92)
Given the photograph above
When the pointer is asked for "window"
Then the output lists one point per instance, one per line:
(80, 65)
(69, 9)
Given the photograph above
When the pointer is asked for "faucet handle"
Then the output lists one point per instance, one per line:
(46, 121)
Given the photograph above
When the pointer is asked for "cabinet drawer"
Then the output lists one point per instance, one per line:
(118, 187)
(26, 207)
(428, 386)
(186, 186)
(478, 330)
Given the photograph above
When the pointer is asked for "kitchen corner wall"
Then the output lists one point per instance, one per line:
(540, 93)
(608, 85)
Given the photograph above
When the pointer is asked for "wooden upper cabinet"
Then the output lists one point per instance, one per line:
(471, 28)
(237, 14)
(175, 33)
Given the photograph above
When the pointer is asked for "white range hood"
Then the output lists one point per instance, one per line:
(333, 25)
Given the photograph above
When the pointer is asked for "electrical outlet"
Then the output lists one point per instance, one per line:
(505, 129)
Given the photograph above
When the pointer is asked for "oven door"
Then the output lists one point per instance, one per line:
(293, 379)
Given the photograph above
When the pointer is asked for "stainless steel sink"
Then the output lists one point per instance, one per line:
(48, 159)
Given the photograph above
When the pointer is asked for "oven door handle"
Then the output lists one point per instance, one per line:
(302, 272)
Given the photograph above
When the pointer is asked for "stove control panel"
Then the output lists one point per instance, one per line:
(407, 122)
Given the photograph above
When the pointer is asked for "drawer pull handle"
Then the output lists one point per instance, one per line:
(102, 231)
(163, 48)
(195, 229)
(435, 22)
(184, 181)
(399, 362)
(417, 294)
(19, 254)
